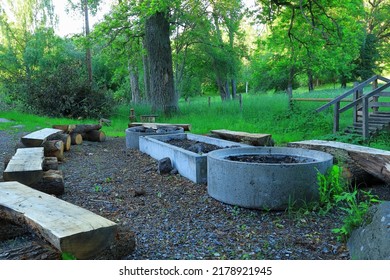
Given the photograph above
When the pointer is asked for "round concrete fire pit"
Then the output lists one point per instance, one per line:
(269, 178)
(133, 134)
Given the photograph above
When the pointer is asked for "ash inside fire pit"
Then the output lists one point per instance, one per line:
(271, 159)
(193, 146)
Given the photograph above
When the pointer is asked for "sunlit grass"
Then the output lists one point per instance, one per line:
(258, 113)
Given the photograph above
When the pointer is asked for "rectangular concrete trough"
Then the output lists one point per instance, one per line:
(189, 164)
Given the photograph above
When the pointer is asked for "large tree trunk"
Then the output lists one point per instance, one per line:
(145, 62)
(160, 62)
(134, 84)
(88, 54)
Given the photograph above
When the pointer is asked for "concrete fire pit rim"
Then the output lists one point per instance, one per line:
(317, 156)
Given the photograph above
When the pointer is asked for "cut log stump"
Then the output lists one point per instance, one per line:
(65, 138)
(95, 136)
(254, 139)
(76, 138)
(52, 182)
(37, 138)
(68, 227)
(361, 163)
(54, 148)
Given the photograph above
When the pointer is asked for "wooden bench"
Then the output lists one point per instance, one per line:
(68, 227)
(358, 161)
(37, 138)
(148, 118)
(254, 139)
(26, 166)
(29, 166)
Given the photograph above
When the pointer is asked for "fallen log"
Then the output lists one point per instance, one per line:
(76, 138)
(84, 128)
(254, 139)
(361, 164)
(95, 136)
(67, 227)
(66, 128)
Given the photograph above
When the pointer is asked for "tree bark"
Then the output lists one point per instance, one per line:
(88, 54)
(157, 31)
(145, 62)
(134, 84)
(95, 136)
(54, 148)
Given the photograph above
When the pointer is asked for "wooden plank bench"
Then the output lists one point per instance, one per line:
(358, 161)
(26, 166)
(37, 138)
(148, 118)
(254, 139)
(68, 227)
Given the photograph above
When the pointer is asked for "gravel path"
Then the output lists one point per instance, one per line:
(173, 218)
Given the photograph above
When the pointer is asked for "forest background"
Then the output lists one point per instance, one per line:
(156, 52)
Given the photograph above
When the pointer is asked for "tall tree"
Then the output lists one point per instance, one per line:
(85, 7)
(319, 35)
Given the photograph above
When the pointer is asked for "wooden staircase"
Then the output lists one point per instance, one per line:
(371, 110)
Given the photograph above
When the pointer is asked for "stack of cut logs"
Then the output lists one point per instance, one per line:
(55, 141)
(80, 132)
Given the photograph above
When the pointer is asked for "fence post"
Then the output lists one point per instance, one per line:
(356, 96)
(365, 129)
(336, 117)
(375, 98)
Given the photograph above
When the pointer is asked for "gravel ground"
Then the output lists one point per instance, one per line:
(173, 218)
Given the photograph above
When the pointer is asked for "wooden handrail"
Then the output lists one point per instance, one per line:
(349, 92)
(368, 95)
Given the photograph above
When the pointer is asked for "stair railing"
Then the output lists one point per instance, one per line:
(360, 102)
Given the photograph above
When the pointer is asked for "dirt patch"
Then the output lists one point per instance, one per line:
(174, 218)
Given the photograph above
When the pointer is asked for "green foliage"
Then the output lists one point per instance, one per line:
(356, 211)
(335, 192)
(331, 185)
(68, 256)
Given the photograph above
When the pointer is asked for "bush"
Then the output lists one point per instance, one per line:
(63, 93)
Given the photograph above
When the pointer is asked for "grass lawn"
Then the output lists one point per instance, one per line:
(261, 113)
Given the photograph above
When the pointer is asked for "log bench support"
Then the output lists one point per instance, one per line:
(68, 227)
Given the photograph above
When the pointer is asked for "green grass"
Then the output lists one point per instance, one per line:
(261, 113)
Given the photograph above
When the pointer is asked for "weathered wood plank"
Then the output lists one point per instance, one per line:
(37, 138)
(255, 139)
(358, 160)
(68, 227)
(26, 166)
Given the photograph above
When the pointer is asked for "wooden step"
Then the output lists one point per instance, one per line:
(26, 166)
(37, 138)
(68, 227)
